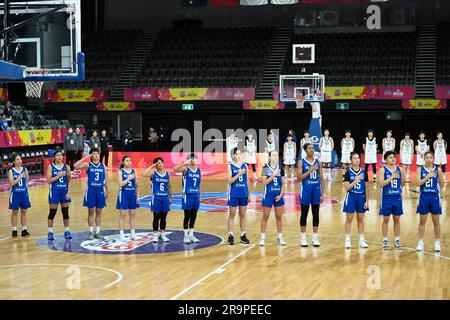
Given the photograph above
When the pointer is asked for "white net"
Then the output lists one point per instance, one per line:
(33, 89)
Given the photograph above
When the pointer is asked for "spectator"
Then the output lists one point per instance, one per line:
(70, 147)
(153, 139)
(127, 140)
(104, 148)
(80, 143)
(94, 141)
(111, 135)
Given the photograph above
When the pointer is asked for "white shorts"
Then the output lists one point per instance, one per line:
(420, 160)
(250, 158)
(325, 156)
(406, 159)
(440, 159)
(370, 158)
(289, 161)
(345, 158)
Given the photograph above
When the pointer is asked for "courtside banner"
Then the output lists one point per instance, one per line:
(140, 95)
(92, 95)
(263, 105)
(351, 93)
(424, 104)
(116, 106)
(3, 94)
(442, 92)
(22, 138)
(186, 94)
(401, 92)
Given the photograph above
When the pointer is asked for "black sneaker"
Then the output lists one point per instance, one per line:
(230, 240)
(25, 233)
(244, 239)
(14, 234)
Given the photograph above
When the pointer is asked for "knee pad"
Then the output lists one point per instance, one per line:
(52, 214)
(65, 213)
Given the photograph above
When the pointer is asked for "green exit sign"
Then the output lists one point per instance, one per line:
(342, 105)
(187, 106)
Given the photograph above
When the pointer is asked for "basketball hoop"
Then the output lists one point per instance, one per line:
(300, 102)
(34, 88)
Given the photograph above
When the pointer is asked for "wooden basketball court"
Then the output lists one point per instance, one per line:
(29, 271)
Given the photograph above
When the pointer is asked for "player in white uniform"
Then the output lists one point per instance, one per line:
(440, 153)
(388, 143)
(306, 139)
(250, 154)
(406, 154)
(347, 147)
(232, 142)
(326, 146)
(421, 148)
(370, 147)
(270, 146)
(289, 156)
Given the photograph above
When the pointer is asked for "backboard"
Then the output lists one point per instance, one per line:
(307, 87)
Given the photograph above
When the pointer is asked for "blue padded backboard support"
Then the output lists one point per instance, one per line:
(11, 71)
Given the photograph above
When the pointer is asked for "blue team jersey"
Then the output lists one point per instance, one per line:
(274, 186)
(160, 184)
(21, 186)
(191, 181)
(432, 185)
(360, 186)
(96, 175)
(395, 186)
(238, 189)
(131, 185)
(61, 183)
(314, 177)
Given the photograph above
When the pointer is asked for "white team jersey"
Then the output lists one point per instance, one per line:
(388, 144)
(371, 145)
(348, 145)
(440, 147)
(406, 156)
(289, 153)
(407, 146)
(251, 152)
(251, 146)
(326, 144)
(270, 146)
(422, 146)
(232, 142)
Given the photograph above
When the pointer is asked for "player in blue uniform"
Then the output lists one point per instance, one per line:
(127, 197)
(356, 184)
(191, 195)
(96, 190)
(391, 179)
(18, 198)
(58, 179)
(161, 199)
(274, 184)
(238, 194)
(310, 175)
(430, 179)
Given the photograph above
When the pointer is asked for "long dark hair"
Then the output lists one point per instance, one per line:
(57, 150)
(123, 159)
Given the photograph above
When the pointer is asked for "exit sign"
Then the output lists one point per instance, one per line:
(187, 106)
(342, 105)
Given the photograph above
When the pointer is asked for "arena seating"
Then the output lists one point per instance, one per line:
(107, 53)
(352, 59)
(443, 55)
(230, 57)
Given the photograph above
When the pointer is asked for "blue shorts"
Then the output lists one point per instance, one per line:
(391, 205)
(354, 202)
(58, 196)
(429, 202)
(94, 198)
(310, 194)
(19, 200)
(160, 204)
(269, 200)
(190, 201)
(126, 200)
(237, 202)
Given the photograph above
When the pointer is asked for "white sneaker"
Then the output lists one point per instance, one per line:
(315, 241)
(133, 236)
(348, 244)
(385, 244)
(303, 241)
(420, 245)
(363, 243)
(186, 239)
(122, 238)
(281, 241)
(164, 237)
(155, 238)
(437, 246)
(262, 242)
(194, 239)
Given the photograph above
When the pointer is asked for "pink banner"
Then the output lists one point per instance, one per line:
(401, 92)
(170, 94)
(20, 138)
(442, 92)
